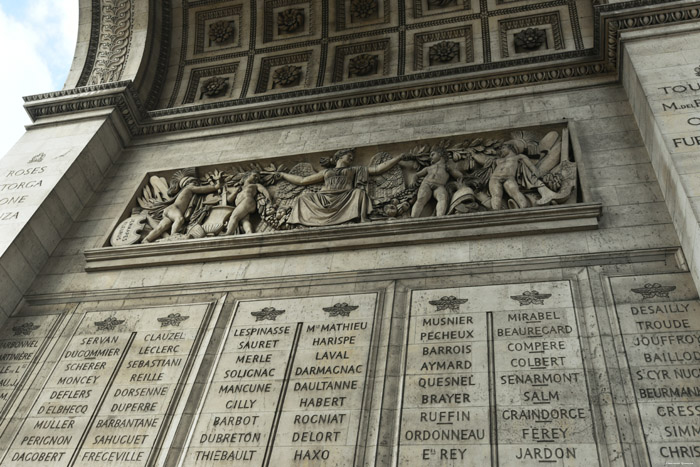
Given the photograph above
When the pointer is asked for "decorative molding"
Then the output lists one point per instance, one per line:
(465, 33)
(343, 51)
(268, 63)
(551, 19)
(163, 57)
(436, 7)
(197, 74)
(347, 237)
(92, 44)
(116, 28)
(201, 32)
(609, 21)
(344, 18)
(270, 18)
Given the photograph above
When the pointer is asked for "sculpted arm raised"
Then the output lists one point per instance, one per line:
(384, 166)
(297, 180)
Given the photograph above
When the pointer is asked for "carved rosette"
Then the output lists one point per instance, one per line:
(363, 9)
(451, 303)
(290, 20)
(654, 290)
(443, 52)
(531, 297)
(221, 32)
(214, 86)
(363, 65)
(287, 75)
(530, 38)
(115, 39)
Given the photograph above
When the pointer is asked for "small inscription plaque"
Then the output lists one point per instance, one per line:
(108, 399)
(495, 376)
(659, 318)
(289, 385)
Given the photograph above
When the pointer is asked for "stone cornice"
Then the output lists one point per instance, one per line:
(365, 235)
(602, 60)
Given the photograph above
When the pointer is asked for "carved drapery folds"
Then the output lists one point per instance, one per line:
(439, 178)
(116, 25)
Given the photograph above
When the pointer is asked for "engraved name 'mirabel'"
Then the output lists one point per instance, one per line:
(515, 375)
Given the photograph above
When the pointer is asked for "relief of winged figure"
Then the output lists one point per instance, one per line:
(435, 179)
(343, 196)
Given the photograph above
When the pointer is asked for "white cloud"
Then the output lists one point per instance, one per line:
(37, 52)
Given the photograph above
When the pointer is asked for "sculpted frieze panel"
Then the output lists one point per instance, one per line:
(509, 170)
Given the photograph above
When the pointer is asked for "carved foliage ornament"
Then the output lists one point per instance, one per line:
(530, 38)
(221, 31)
(363, 9)
(115, 39)
(287, 75)
(363, 65)
(443, 52)
(290, 20)
(441, 179)
(214, 86)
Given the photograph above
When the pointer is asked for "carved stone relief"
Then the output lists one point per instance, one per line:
(353, 61)
(445, 47)
(443, 178)
(531, 33)
(283, 72)
(211, 83)
(218, 29)
(115, 39)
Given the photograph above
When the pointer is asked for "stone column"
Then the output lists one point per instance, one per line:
(661, 73)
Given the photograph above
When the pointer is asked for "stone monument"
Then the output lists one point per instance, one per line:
(358, 233)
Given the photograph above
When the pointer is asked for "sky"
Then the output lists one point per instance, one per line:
(38, 41)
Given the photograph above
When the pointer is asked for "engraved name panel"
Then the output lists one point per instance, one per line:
(494, 376)
(289, 386)
(23, 341)
(110, 397)
(659, 318)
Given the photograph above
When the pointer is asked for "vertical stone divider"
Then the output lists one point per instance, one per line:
(180, 387)
(102, 399)
(493, 413)
(283, 393)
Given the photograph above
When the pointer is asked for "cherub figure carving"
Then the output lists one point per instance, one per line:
(183, 187)
(434, 184)
(244, 198)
